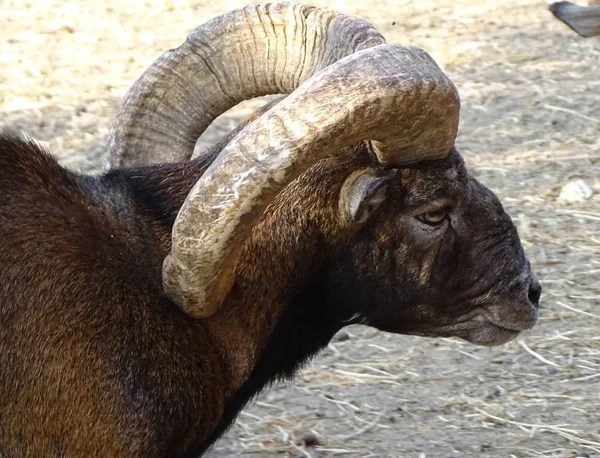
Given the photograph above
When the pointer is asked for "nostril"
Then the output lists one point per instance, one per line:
(535, 292)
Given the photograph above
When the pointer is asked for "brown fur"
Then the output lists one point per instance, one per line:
(96, 361)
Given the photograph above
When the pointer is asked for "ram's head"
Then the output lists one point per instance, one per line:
(359, 158)
(440, 258)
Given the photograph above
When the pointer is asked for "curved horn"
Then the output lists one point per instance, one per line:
(250, 52)
(394, 95)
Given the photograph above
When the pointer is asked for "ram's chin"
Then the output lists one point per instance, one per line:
(490, 335)
(476, 330)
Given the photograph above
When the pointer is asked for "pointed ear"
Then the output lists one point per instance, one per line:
(362, 193)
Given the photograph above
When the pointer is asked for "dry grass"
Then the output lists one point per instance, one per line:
(530, 124)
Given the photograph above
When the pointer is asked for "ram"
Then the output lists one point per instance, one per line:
(142, 308)
(584, 20)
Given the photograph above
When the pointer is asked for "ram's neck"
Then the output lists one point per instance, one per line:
(275, 317)
(303, 327)
(278, 315)
(278, 262)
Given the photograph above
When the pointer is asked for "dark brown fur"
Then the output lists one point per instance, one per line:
(96, 361)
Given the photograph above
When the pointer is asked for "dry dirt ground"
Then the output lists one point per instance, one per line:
(530, 124)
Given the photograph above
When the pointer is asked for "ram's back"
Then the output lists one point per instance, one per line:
(89, 348)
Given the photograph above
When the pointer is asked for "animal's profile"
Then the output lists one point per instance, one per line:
(143, 308)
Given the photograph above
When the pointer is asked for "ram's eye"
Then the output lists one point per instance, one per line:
(433, 218)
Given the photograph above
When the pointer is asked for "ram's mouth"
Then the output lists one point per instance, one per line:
(488, 334)
(487, 329)
(486, 326)
(519, 322)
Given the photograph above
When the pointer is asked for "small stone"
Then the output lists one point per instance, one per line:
(575, 191)
(310, 439)
(552, 370)
(494, 394)
(341, 336)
